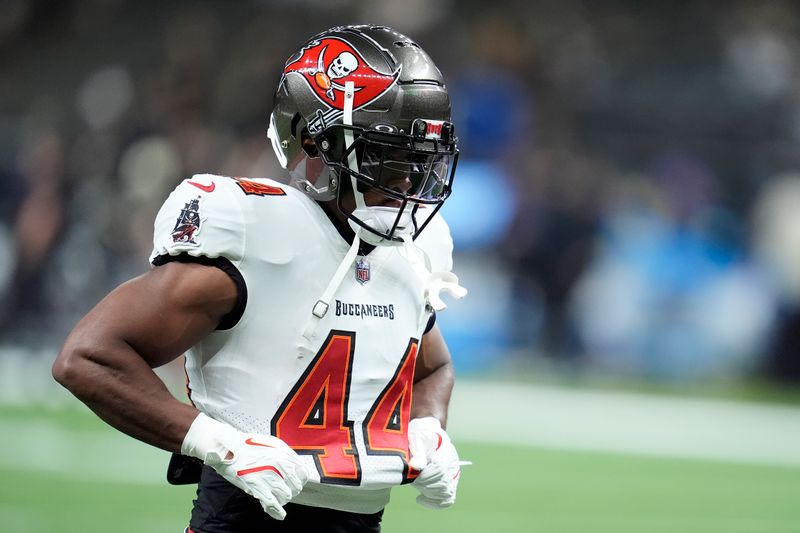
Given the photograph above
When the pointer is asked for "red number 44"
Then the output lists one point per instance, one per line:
(313, 418)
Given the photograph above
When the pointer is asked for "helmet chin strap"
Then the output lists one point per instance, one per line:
(382, 219)
(320, 308)
(378, 218)
(352, 162)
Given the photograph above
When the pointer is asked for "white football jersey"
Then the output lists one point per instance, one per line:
(342, 398)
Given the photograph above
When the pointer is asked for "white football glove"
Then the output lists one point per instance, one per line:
(434, 455)
(263, 466)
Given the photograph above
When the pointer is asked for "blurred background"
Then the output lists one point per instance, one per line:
(626, 211)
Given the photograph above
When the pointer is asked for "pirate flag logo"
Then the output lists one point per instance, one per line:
(328, 63)
(188, 223)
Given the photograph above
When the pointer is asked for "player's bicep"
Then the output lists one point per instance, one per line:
(165, 311)
(433, 354)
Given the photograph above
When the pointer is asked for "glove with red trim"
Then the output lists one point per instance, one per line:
(434, 455)
(263, 466)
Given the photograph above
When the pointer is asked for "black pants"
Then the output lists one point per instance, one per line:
(223, 508)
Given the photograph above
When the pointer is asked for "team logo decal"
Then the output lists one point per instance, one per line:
(188, 223)
(330, 62)
(362, 271)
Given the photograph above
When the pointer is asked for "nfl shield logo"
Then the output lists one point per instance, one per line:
(362, 271)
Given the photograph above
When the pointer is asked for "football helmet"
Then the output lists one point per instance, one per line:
(364, 108)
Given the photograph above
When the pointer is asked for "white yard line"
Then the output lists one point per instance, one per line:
(496, 413)
(626, 423)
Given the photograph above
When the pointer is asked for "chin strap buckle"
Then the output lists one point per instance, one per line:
(320, 308)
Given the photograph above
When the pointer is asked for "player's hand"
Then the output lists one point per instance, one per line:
(434, 455)
(261, 465)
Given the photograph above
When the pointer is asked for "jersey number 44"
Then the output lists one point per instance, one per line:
(313, 418)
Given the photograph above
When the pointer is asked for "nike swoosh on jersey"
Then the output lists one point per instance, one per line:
(206, 188)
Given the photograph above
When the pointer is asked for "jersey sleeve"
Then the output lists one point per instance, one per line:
(437, 243)
(201, 218)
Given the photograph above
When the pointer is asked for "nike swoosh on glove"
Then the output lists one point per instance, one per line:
(261, 465)
(434, 455)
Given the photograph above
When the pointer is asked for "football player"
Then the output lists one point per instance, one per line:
(317, 375)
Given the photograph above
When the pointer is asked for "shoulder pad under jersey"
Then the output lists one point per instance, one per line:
(437, 243)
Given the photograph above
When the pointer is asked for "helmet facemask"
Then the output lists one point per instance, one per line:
(399, 180)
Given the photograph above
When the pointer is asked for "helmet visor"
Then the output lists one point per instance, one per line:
(417, 175)
(399, 165)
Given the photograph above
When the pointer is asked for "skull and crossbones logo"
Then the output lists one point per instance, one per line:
(343, 65)
(327, 64)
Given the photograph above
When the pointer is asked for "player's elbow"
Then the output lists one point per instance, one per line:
(65, 368)
(70, 368)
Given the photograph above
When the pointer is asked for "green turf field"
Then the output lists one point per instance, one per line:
(508, 489)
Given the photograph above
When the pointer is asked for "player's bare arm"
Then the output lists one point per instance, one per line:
(430, 448)
(107, 362)
(433, 378)
(108, 358)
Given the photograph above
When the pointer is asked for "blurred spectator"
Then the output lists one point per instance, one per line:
(549, 244)
(777, 243)
(678, 298)
(611, 154)
(37, 224)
